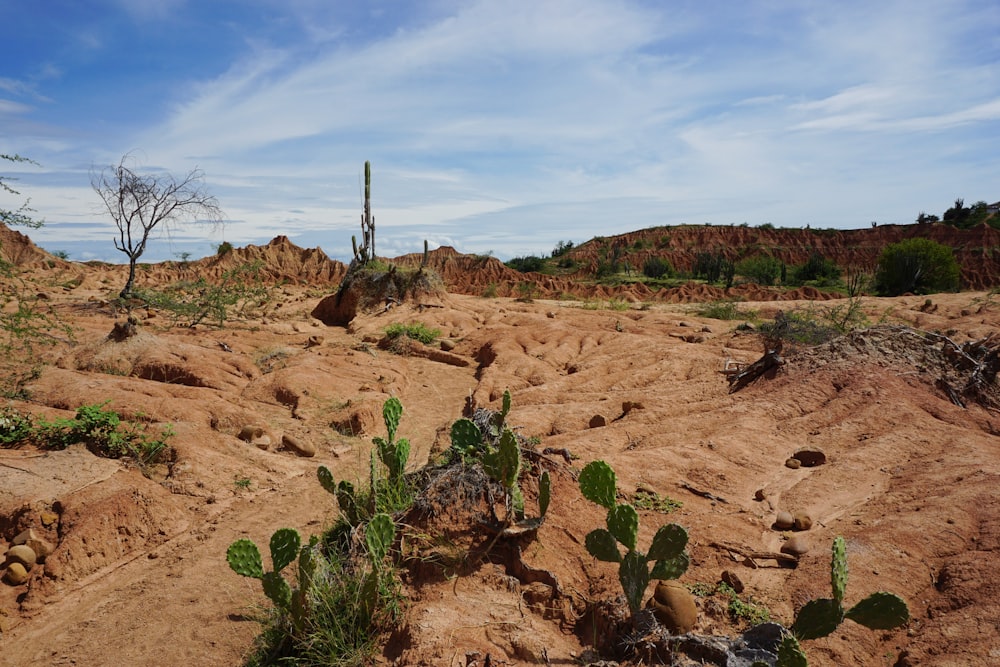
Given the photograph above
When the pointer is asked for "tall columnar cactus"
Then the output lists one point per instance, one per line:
(244, 559)
(367, 250)
(667, 551)
(820, 617)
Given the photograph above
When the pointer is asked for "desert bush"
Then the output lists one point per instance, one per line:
(102, 431)
(916, 265)
(240, 292)
(724, 310)
(414, 331)
(657, 267)
(762, 270)
(816, 269)
(526, 264)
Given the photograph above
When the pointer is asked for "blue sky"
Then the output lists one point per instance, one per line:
(496, 126)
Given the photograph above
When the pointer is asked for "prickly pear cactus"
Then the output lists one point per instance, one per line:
(633, 573)
(500, 418)
(623, 523)
(838, 569)
(602, 545)
(790, 653)
(667, 550)
(244, 558)
(379, 535)
(466, 438)
(278, 590)
(818, 618)
(392, 411)
(285, 543)
(544, 493)
(326, 479)
(504, 463)
(880, 611)
(598, 484)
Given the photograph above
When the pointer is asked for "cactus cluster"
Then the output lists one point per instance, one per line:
(820, 617)
(500, 453)
(393, 453)
(244, 559)
(667, 550)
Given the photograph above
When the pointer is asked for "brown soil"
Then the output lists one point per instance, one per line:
(139, 576)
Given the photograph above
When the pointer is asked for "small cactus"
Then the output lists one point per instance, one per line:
(466, 438)
(667, 551)
(347, 497)
(379, 535)
(244, 558)
(393, 453)
(820, 617)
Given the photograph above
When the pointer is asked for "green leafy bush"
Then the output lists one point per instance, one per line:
(526, 264)
(916, 265)
(414, 331)
(761, 269)
(657, 267)
(239, 292)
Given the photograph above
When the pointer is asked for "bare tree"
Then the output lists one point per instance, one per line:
(139, 203)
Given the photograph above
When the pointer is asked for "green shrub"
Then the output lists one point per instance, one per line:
(818, 269)
(526, 264)
(916, 265)
(762, 270)
(415, 331)
(657, 267)
(724, 310)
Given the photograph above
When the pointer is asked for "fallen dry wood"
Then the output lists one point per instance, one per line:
(769, 363)
(753, 556)
(703, 494)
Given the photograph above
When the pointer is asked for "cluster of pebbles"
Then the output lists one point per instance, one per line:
(26, 550)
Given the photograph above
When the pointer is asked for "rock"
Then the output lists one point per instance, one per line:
(250, 433)
(674, 607)
(49, 518)
(629, 406)
(551, 314)
(706, 329)
(300, 447)
(783, 520)
(598, 421)
(693, 338)
(22, 554)
(731, 579)
(16, 574)
(793, 463)
(810, 458)
(796, 545)
(801, 521)
(314, 341)
(759, 495)
(447, 345)
(24, 536)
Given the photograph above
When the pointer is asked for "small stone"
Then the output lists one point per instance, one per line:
(314, 341)
(801, 521)
(22, 554)
(810, 458)
(49, 518)
(732, 580)
(447, 345)
(794, 464)
(300, 447)
(796, 545)
(759, 495)
(674, 607)
(250, 433)
(706, 329)
(24, 536)
(551, 314)
(598, 421)
(783, 520)
(629, 406)
(16, 574)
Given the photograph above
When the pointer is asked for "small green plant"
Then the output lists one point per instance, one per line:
(820, 617)
(239, 292)
(241, 482)
(393, 453)
(666, 552)
(724, 310)
(526, 291)
(415, 331)
(646, 499)
(500, 454)
(223, 249)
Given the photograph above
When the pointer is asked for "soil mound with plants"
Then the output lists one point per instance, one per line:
(249, 408)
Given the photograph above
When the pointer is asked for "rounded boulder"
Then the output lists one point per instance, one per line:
(674, 607)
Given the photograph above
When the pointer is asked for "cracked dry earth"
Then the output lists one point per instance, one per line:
(139, 577)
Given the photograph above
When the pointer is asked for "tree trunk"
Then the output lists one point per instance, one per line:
(127, 290)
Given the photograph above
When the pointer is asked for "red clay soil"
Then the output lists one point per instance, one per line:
(138, 575)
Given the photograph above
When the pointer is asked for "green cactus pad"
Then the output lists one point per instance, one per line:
(504, 463)
(634, 576)
(244, 558)
(838, 569)
(790, 653)
(517, 501)
(880, 611)
(505, 404)
(466, 438)
(379, 535)
(277, 589)
(602, 545)
(392, 411)
(669, 542)
(598, 485)
(671, 568)
(818, 618)
(307, 563)
(285, 543)
(326, 479)
(544, 493)
(623, 523)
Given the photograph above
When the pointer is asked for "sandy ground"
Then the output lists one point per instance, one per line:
(139, 575)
